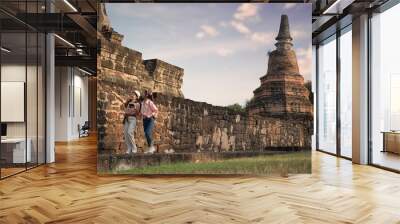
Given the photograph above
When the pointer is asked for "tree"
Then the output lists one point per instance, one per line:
(236, 107)
(248, 102)
(308, 85)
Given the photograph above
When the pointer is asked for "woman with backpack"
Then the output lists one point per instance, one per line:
(149, 112)
(132, 110)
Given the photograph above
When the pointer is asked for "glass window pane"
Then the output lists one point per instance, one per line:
(13, 86)
(31, 98)
(327, 96)
(385, 84)
(41, 98)
(22, 87)
(313, 88)
(346, 94)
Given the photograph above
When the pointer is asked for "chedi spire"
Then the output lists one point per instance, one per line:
(284, 39)
(282, 91)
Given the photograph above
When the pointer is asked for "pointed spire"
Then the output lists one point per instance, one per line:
(284, 40)
(284, 32)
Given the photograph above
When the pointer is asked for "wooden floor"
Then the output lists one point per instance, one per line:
(70, 191)
(387, 159)
(5, 172)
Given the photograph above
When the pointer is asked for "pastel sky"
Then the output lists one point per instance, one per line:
(222, 47)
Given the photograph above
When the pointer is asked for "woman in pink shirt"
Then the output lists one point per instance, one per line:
(149, 112)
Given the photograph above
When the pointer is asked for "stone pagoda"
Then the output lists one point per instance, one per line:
(282, 91)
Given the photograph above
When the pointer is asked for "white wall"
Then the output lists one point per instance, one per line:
(61, 103)
(33, 126)
(71, 87)
(15, 73)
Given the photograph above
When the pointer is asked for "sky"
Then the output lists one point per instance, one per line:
(222, 47)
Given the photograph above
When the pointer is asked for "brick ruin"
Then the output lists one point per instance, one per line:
(278, 118)
(282, 91)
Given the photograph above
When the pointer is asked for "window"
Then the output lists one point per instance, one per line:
(346, 93)
(385, 89)
(22, 76)
(327, 95)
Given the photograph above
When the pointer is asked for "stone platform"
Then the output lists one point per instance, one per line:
(116, 162)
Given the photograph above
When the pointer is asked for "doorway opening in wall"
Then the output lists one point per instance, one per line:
(74, 109)
(75, 71)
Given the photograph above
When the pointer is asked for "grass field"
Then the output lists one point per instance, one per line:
(290, 163)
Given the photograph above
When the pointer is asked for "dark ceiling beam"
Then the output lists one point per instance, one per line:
(10, 25)
(86, 51)
(15, 18)
(325, 18)
(48, 22)
(56, 22)
(84, 24)
(78, 61)
(322, 22)
(91, 5)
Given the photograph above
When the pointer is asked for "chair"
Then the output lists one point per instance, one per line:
(84, 130)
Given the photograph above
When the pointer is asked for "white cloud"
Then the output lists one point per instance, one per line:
(258, 37)
(245, 11)
(224, 51)
(304, 60)
(240, 27)
(200, 35)
(185, 50)
(223, 24)
(289, 5)
(299, 34)
(303, 52)
(207, 30)
(262, 37)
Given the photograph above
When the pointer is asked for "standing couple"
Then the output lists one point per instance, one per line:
(135, 108)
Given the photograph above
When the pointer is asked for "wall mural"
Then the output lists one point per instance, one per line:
(151, 122)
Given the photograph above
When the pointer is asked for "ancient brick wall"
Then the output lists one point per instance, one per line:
(120, 65)
(186, 125)
(182, 124)
(191, 125)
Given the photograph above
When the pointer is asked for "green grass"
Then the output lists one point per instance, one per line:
(295, 162)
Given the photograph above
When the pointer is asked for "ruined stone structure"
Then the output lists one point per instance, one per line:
(282, 91)
(124, 65)
(273, 121)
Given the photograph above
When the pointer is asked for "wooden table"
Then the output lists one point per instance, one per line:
(391, 141)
